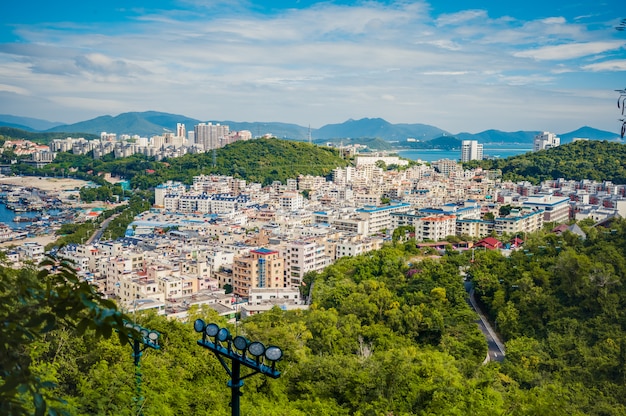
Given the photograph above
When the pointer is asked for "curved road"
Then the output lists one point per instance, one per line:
(496, 347)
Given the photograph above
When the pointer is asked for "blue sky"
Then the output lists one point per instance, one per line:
(459, 65)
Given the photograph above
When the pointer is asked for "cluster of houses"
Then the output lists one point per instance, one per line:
(242, 248)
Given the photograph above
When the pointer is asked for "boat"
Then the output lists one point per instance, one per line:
(25, 219)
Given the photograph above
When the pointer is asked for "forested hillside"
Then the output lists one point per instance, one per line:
(259, 160)
(10, 133)
(594, 160)
(560, 305)
(388, 332)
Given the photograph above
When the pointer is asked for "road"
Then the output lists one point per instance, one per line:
(495, 351)
(98, 233)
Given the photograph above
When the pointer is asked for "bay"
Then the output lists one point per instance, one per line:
(6, 216)
(432, 155)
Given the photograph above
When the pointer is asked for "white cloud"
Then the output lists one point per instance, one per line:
(101, 64)
(13, 89)
(318, 65)
(569, 50)
(461, 17)
(553, 21)
(446, 73)
(615, 65)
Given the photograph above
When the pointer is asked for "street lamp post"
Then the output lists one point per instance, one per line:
(148, 339)
(240, 351)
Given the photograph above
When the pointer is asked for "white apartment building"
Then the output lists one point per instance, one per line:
(519, 221)
(31, 251)
(291, 201)
(387, 160)
(474, 227)
(132, 288)
(302, 257)
(274, 296)
(355, 246)
(343, 176)
(471, 150)
(447, 166)
(216, 259)
(210, 136)
(168, 188)
(555, 208)
(367, 198)
(435, 228)
(351, 225)
(379, 217)
(545, 140)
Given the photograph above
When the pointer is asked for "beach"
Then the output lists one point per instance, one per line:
(41, 239)
(43, 183)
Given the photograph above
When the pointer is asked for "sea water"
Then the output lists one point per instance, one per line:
(431, 155)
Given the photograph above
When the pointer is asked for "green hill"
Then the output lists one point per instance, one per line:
(442, 142)
(260, 160)
(389, 332)
(595, 160)
(10, 133)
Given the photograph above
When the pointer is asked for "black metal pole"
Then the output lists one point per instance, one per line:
(235, 385)
(137, 353)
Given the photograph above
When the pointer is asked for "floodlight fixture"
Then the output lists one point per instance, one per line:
(223, 334)
(199, 325)
(273, 353)
(253, 355)
(149, 339)
(211, 330)
(256, 349)
(241, 343)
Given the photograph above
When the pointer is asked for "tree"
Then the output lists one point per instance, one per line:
(34, 303)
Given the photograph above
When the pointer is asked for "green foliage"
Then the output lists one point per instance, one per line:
(260, 160)
(388, 332)
(117, 226)
(10, 133)
(592, 159)
(34, 304)
(442, 142)
(559, 305)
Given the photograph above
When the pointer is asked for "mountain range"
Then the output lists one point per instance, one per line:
(150, 123)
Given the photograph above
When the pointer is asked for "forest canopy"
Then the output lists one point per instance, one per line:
(584, 159)
(388, 332)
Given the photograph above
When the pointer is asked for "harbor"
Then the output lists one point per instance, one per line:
(34, 208)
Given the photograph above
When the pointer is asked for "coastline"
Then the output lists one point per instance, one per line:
(43, 183)
(47, 184)
(44, 240)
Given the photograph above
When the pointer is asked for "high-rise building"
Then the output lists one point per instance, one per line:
(546, 140)
(471, 150)
(180, 130)
(209, 135)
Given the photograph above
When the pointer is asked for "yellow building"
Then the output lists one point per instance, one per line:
(263, 268)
